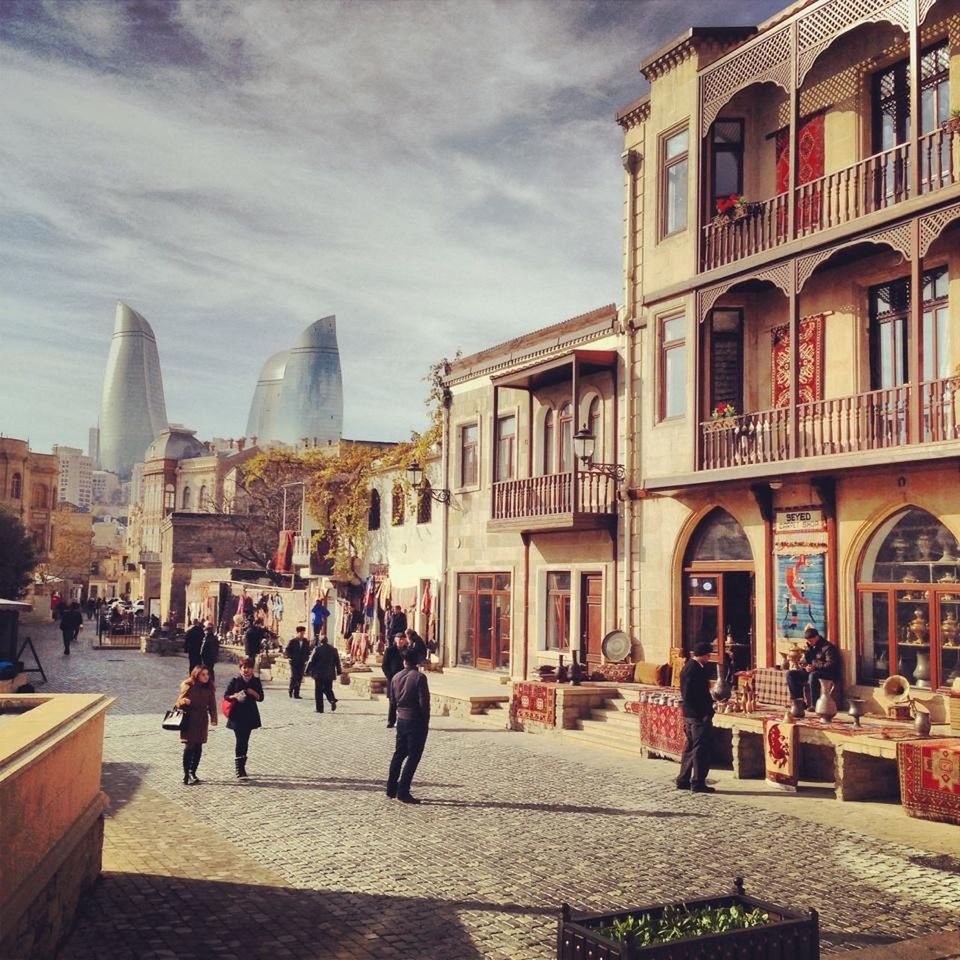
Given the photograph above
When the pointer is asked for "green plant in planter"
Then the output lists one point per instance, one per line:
(677, 923)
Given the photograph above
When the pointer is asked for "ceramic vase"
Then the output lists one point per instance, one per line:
(826, 707)
(855, 710)
(721, 689)
(798, 708)
(921, 723)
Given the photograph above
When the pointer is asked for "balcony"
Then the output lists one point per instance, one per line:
(301, 551)
(560, 501)
(878, 420)
(874, 184)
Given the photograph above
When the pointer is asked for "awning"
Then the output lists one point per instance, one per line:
(557, 369)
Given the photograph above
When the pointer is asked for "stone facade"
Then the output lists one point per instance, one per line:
(28, 487)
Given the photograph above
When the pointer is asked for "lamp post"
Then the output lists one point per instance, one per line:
(584, 444)
(417, 481)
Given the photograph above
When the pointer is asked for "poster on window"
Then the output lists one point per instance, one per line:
(800, 551)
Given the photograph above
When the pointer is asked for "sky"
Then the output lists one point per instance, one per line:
(441, 176)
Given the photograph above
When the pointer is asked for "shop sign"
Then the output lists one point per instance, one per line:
(799, 520)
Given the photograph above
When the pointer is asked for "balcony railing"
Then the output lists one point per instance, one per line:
(875, 183)
(301, 551)
(841, 425)
(552, 496)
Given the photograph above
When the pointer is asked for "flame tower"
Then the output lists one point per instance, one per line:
(132, 409)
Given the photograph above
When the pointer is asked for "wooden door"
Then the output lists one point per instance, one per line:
(591, 617)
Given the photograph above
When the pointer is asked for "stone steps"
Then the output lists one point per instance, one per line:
(601, 734)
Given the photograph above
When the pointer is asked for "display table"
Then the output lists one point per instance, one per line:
(930, 778)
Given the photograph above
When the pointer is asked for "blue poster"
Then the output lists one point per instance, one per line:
(801, 593)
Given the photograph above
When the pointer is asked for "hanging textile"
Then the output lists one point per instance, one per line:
(283, 558)
(810, 154)
(811, 362)
(426, 601)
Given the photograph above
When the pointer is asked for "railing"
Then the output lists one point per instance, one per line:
(301, 551)
(877, 420)
(875, 183)
(552, 495)
(123, 631)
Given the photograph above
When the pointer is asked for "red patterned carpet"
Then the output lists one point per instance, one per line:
(930, 778)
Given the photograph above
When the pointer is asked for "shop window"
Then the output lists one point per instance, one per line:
(16, 487)
(424, 502)
(558, 611)
(506, 447)
(483, 620)
(673, 367)
(398, 506)
(719, 537)
(373, 511)
(469, 466)
(909, 602)
(674, 181)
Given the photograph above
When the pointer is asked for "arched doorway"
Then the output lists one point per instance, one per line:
(908, 588)
(718, 589)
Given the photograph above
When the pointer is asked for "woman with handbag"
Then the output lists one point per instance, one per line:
(198, 701)
(240, 707)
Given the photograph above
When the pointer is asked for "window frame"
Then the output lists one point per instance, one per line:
(506, 448)
(663, 187)
(424, 503)
(565, 430)
(398, 505)
(464, 482)
(736, 150)
(664, 347)
(551, 596)
(374, 510)
(549, 439)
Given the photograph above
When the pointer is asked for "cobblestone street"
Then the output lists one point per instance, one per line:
(309, 859)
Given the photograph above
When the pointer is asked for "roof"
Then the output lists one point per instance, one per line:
(176, 443)
(653, 65)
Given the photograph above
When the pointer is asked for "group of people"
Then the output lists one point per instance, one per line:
(408, 694)
(821, 661)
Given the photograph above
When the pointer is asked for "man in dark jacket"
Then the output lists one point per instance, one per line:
(397, 623)
(253, 638)
(821, 661)
(417, 644)
(298, 650)
(192, 641)
(71, 622)
(210, 648)
(409, 691)
(697, 721)
(324, 667)
(391, 666)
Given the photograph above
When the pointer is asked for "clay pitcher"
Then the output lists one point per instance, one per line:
(826, 707)
(921, 720)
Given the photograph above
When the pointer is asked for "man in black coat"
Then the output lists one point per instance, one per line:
(411, 694)
(821, 661)
(192, 641)
(397, 623)
(697, 722)
(392, 664)
(71, 622)
(324, 667)
(210, 648)
(253, 638)
(298, 650)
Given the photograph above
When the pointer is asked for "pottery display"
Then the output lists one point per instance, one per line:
(826, 706)
(918, 625)
(921, 718)
(721, 687)
(948, 630)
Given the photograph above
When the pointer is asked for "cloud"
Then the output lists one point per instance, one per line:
(439, 175)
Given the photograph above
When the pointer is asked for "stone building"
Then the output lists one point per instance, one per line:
(791, 289)
(28, 488)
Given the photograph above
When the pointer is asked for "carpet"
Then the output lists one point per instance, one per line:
(781, 753)
(930, 778)
(535, 701)
(810, 362)
(661, 728)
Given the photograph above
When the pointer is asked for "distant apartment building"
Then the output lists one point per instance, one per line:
(105, 487)
(75, 484)
(28, 489)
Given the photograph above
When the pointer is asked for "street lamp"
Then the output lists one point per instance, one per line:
(584, 444)
(416, 478)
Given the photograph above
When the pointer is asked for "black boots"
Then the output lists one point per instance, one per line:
(187, 761)
(191, 760)
(241, 763)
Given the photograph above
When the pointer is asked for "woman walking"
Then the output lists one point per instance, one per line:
(244, 691)
(198, 699)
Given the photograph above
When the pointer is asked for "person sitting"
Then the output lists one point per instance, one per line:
(821, 661)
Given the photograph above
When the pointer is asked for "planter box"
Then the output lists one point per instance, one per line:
(788, 935)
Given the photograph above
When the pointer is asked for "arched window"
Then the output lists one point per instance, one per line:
(424, 502)
(595, 427)
(185, 500)
(549, 443)
(398, 506)
(40, 496)
(909, 602)
(16, 486)
(373, 513)
(565, 423)
(202, 503)
(169, 497)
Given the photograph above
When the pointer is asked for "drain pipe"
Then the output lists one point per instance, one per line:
(441, 599)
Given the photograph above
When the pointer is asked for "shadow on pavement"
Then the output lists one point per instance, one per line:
(550, 807)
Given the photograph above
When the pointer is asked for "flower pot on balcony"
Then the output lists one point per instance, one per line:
(951, 126)
(704, 928)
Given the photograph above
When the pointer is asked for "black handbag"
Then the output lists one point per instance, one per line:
(174, 719)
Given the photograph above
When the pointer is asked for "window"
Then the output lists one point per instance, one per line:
(202, 503)
(169, 497)
(185, 500)
(483, 619)
(506, 446)
(40, 496)
(558, 611)
(674, 166)
(565, 421)
(468, 455)
(16, 486)
(935, 110)
(424, 502)
(398, 506)
(594, 425)
(549, 443)
(726, 359)
(936, 325)
(727, 160)
(673, 367)
(373, 512)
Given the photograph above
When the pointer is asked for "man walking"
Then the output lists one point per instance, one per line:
(324, 666)
(253, 638)
(71, 622)
(210, 648)
(298, 650)
(411, 694)
(192, 642)
(318, 618)
(397, 622)
(392, 664)
(697, 722)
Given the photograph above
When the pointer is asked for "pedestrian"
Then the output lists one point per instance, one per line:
(56, 605)
(397, 623)
(409, 691)
(298, 650)
(821, 662)
(253, 638)
(417, 644)
(71, 623)
(324, 667)
(318, 618)
(392, 664)
(210, 648)
(90, 608)
(192, 642)
(245, 691)
(697, 721)
(198, 700)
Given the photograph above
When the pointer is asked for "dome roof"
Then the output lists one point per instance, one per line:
(175, 443)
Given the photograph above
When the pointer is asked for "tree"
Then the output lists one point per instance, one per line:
(18, 557)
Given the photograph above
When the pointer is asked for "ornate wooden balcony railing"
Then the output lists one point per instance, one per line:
(841, 425)
(842, 196)
(552, 495)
